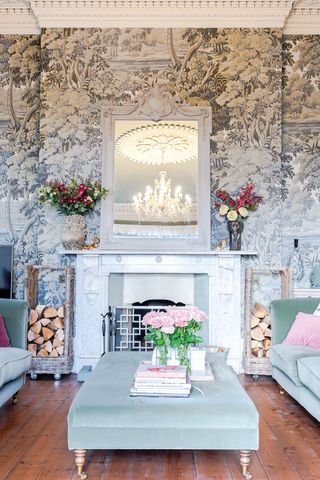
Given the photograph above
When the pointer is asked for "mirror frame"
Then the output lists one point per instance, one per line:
(156, 104)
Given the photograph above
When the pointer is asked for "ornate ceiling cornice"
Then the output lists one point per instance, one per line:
(304, 18)
(29, 16)
(162, 13)
(16, 17)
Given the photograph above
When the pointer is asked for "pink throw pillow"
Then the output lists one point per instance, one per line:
(4, 337)
(305, 330)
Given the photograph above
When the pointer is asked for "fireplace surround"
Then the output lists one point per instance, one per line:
(217, 289)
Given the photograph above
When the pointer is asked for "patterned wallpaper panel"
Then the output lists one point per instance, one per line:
(301, 151)
(50, 124)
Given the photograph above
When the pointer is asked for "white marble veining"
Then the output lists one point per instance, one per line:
(93, 270)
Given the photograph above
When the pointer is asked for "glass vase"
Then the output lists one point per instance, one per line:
(235, 230)
(164, 355)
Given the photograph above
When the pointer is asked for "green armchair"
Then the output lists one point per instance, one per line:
(295, 367)
(14, 360)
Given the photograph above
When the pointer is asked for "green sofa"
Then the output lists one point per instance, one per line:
(295, 367)
(14, 360)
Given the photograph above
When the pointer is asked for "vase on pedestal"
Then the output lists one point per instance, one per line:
(235, 230)
(74, 232)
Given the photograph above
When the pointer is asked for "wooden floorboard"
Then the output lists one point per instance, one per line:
(33, 442)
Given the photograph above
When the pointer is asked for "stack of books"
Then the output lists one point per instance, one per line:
(160, 381)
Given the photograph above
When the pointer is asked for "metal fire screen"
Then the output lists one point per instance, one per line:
(127, 331)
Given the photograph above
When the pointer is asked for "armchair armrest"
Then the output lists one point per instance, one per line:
(283, 313)
(16, 315)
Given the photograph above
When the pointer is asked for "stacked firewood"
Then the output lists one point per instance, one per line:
(46, 331)
(260, 331)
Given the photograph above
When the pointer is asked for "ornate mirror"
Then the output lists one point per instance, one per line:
(156, 163)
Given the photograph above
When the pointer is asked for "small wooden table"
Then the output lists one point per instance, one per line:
(218, 415)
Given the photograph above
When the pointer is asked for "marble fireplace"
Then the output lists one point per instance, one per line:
(211, 280)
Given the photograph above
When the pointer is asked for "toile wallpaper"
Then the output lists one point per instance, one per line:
(264, 90)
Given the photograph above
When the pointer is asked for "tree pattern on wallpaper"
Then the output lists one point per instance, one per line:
(301, 149)
(235, 71)
(82, 68)
(19, 143)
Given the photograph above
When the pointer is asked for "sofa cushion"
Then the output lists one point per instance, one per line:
(305, 330)
(285, 357)
(317, 310)
(13, 363)
(4, 337)
(309, 373)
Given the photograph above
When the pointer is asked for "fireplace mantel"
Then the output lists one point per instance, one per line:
(93, 295)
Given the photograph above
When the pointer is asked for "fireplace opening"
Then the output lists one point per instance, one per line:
(128, 332)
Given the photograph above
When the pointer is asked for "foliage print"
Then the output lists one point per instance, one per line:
(301, 150)
(50, 125)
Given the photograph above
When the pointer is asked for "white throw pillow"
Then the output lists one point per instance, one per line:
(317, 310)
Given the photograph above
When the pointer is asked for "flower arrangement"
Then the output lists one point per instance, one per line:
(73, 197)
(238, 208)
(175, 327)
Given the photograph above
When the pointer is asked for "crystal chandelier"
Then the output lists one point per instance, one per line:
(159, 204)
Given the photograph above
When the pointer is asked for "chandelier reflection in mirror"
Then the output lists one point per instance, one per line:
(158, 202)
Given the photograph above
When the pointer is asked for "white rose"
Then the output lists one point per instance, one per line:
(167, 329)
(232, 215)
(223, 209)
(243, 212)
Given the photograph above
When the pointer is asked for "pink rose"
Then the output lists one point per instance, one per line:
(167, 320)
(156, 322)
(149, 317)
(179, 315)
(181, 323)
(196, 314)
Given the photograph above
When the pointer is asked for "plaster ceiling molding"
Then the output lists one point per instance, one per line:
(16, 17)
(159, 144)
(161, 13)
(29, 16)
(304, 18)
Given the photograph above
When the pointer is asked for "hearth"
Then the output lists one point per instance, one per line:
(212, 281)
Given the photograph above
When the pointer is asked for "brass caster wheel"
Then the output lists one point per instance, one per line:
(282, 391)
(248, 476)
(83, 475)
(14, 399)
(57, 376)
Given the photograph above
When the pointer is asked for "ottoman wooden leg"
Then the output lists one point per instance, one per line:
(245, 459)
(80, 459)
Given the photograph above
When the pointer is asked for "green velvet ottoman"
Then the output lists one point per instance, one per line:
(218, 415)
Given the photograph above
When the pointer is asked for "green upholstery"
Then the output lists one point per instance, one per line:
(13, 363)
(309, 373)
(295, 367)
(15, 314)
(14, 360)
(302, 394)
(104, 416)
(285, 358)
(283, 313)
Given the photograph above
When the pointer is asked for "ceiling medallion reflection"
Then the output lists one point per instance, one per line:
(159, 144)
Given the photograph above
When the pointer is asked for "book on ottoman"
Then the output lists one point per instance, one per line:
(160, 381)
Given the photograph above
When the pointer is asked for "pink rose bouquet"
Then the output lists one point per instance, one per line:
(175, 327)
